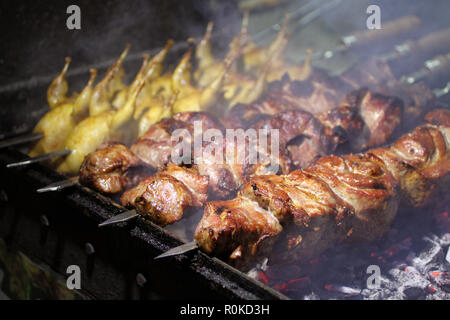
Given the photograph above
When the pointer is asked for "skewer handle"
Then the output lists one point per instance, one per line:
(430, 44)
(179, 250)
(434, 66)
(440, 92)
(434, 41)
(121, 217)
(389, 30)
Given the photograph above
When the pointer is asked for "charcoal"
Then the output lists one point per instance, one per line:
(253, 273)
(441, 279)
(348, 290)
(413, 293)
(445, 240)
(311, 296)
(431, 255)
(414, 261)
(374, 295)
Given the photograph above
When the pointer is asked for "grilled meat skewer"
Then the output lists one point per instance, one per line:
(324, 131)
(349, 198)
(150, 197)
(381, 114)
(156, 147)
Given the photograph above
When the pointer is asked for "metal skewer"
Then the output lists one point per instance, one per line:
(59, 185)
(179, 250)
(20, 140)
(121, 217)
(40, 158)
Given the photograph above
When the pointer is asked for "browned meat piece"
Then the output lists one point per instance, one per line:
(345, 121)
(114, 167)
(419, 161)
(367, 188)
(307, 136)
(229, 161)
(382, 115)
(240, 224)
(290, 124)
(364, 119)
(357, 202)
(352, 197)
(243, 116)
(207, 121)
(439, 117)
(338, 197)
(370, 73)
(377, 76)
(156, 146)
(417, 98)
(109, 169)
(163, 196)
(197, 184)
(225, 175)
(303, 135)
(319, 94)
(316, 95)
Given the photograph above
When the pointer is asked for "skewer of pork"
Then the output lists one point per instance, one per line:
(355, 197)
(344, 121)
(151, 197)
(159, 216)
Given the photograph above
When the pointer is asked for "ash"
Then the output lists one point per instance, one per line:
(413, 259)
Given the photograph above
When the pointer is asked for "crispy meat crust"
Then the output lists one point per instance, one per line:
(107, 169)
(163, 196)
(156, 146)
(348, 198)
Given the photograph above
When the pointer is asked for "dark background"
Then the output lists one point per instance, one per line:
(34, 38)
